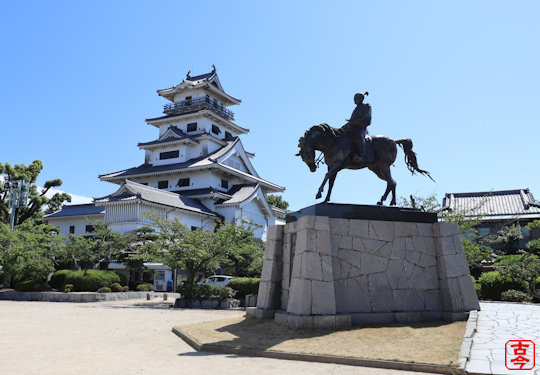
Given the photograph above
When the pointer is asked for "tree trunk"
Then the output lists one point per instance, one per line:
(532, 290)
(190, 276)
(236, 267)
(7, 280)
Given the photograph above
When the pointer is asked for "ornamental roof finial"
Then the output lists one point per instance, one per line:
(213, 68)
(187, 74)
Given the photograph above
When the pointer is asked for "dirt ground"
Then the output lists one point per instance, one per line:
(422, 342)
(128, 337)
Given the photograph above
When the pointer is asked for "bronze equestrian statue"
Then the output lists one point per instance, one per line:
(350, 147)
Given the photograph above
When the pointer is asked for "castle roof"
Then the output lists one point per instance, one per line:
(88, 209)
(172, 135)
(130, 190)
(208, 81)
(213, 161)
(494, 205)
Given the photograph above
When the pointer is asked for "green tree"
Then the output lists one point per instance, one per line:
(29, 251)
(139, 243)
(509, 235)
(526, 269)
(533, 245)
(236, 241)
(78, 253)
(277, 201)
(181, 248)
(428, 204)
(37, 199)
(107, 245)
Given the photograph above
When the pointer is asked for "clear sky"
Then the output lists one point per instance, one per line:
(460, 78)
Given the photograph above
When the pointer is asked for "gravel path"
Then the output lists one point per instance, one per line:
(128, 337)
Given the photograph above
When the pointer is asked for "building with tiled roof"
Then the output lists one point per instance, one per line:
(196, 169)
(497, 208)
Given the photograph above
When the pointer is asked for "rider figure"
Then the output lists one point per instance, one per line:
(357, 124)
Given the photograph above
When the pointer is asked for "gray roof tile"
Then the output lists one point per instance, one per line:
(77, 210)
(240, 193)
(494, 204)
(132, 190)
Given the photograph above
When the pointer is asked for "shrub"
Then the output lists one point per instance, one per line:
(134, 284)
(123, 278)
(30, 286)
(58, 279)
(104, 290)
(513, 295)
(146, 287)
(84, 280)
(223, 292)
(125, 288)
(245, 285)
(194, 291)
(493, 284)
(505, 260)
(68, 288)
(115, 287)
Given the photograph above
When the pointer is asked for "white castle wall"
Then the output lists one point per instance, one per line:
(80, 223)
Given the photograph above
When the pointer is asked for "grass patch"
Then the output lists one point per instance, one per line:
(423, 342)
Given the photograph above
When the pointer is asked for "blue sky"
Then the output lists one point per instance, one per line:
(459, 78)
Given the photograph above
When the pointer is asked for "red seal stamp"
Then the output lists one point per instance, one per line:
(519, 355)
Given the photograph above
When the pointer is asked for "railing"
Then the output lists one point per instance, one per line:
(196, 104)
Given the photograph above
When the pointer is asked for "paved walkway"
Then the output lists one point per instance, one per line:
(497, 323)
(127, 337)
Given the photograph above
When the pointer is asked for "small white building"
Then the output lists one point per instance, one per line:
(196, 170)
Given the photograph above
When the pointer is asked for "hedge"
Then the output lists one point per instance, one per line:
(30, 286)
(86, 280)
(145, 287)
(245, 285)
(204, 291)
(493, 284)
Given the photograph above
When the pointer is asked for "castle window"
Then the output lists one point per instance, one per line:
(192, 127)
(168, 155)
(183, 182)
(215, 129)
(72, 229)
(194, 228)
(228, 135)
(89, 229)
(188, 100)
(224, 184)
(163, 184)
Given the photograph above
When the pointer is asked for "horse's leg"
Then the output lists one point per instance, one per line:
(384, 174)
(330, 186)
(332, 170)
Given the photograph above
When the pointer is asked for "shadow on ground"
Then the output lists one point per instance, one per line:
(265, 334)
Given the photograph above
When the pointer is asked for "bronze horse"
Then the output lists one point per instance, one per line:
(338, 150)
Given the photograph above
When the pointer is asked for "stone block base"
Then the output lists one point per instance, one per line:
(374, 265)
(313, 321)
(254, 312)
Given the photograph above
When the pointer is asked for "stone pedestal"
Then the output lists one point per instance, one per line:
(332, 272)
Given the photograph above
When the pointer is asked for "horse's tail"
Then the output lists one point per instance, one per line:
(410, 157)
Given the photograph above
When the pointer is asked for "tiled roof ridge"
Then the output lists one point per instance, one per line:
(489, 193)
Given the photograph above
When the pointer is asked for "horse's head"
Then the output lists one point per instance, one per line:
(307, 151)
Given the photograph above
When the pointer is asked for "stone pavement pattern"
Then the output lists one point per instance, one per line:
(497, 323)
(127, 337)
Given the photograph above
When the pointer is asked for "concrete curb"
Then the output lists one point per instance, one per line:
(349, 361)
(78, 296)
(466, 345)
